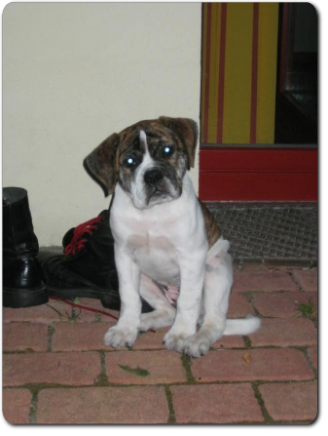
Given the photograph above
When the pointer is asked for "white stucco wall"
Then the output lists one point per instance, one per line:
(73, 73)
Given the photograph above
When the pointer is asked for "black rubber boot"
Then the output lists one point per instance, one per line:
(87, 266)
(22, 276)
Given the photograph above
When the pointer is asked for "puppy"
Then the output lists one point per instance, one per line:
(168, 247)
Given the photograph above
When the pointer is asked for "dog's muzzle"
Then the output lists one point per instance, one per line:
(159, 186)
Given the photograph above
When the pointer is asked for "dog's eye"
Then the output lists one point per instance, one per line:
(130, 162)
(167, 150)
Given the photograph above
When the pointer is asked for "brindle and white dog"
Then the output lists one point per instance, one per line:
(168, 247)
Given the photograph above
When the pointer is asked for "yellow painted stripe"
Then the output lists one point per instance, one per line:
(214, 73)
(267, 70)
(238, 71)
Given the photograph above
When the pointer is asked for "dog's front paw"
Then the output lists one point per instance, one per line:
(119, 337)
(196, 345)
(174, 341)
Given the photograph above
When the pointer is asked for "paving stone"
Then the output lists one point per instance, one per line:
(24, 336)
(266, 281)
(239, 307)
(75, 368)
(16, 405)
(290, 402)
(283, 305)
(233, 341)
(42, 314)
(307, 278)
(150, 340)
(80, 336)
(103, 405)
(250, 365)
(284, 333)
(225, 403)
(163, 366)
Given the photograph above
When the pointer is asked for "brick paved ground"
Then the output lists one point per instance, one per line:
(57, 370)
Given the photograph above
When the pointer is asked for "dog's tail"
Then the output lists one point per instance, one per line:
(243, 327)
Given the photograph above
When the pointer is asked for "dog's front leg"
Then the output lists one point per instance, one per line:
(126, 329)
(192, 275)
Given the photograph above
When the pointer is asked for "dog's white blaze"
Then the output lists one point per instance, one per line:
(143, 136)
(147, 160)
(143, 139)
(138, 188)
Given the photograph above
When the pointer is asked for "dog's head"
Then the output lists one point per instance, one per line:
(147, 159)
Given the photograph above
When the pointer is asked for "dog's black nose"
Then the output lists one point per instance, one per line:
(153, 176)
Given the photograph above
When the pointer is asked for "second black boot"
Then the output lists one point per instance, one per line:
(22, 277)
(87, 266)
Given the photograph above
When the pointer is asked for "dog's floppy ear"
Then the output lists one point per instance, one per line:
(101, 164)
(186, 129)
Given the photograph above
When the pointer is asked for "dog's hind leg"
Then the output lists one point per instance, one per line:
(218, 283)
(163, 314)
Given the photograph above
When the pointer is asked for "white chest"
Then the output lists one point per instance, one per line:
(156, 257)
